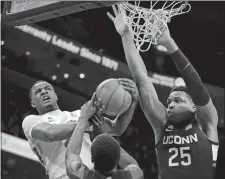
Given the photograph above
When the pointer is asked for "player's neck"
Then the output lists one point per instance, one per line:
(180, 125)
(49, 109)
(106, 174)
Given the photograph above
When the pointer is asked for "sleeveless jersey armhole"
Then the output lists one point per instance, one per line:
(162, 134)
(204, 134)
(214, 145)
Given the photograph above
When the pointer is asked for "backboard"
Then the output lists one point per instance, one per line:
(17, 13)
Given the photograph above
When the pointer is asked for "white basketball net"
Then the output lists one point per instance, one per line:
(146, 25)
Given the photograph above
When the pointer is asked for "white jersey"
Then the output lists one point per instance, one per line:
(52, 154)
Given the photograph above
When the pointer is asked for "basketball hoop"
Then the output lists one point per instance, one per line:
(147, 24)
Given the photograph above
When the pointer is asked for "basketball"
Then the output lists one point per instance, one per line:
(114, 97)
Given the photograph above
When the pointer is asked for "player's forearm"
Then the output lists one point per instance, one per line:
(121, 123)
(126, 159)
(58, 132)
(193, 81)
(75, 142)
(133, 58)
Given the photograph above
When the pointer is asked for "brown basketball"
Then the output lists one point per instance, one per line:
(114, 97)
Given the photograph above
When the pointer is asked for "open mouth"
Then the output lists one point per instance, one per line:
(45, 98)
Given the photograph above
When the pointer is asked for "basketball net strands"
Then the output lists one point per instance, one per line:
(147, 24)
(17, 13)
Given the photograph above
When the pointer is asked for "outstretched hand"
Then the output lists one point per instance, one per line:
(167, 41)
(91, 107)
(130, 86)
(165, 37)
(97, 121)
(119, 21)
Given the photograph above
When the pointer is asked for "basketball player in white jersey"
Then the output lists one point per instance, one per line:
(47, 132)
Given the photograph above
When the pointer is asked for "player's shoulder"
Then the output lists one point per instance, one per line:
(30, 118)
(30, 121)
(135, 171)
(76, 113)
(73, 115)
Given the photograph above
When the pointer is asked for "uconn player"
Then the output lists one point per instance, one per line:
(48, 131)
(105, 152)
(186, 131)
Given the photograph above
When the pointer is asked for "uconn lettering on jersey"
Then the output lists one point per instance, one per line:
(180, 140)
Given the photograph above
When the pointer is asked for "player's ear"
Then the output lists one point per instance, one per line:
(33, 104)
(194, 108)
(56, 96)
(92, 159)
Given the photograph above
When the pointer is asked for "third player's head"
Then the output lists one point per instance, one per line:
(180, 105)
(43, 97)
(105, 151)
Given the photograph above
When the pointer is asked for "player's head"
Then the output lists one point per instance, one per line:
(180, 105)
(105, 151)
(42, 96)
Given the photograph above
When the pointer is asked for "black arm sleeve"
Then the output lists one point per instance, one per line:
(194, 83)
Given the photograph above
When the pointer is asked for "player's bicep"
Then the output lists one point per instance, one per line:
(126, 159)
(41, 132)
(208, 113)
(74, 166)
(135, 171)
(153, 109)
(29, 124)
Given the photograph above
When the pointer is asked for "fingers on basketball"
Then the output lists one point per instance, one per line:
(94, 122)
(101, 109)
(93, 98)
(97, 122)
(99, 116)
(84, 105)
(127, 88)
(98, 103)
(127, 82)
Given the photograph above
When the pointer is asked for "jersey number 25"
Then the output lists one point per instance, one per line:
(184, 155)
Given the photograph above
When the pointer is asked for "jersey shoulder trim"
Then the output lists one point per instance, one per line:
(165, 128)
(204, 134)
(29, 122)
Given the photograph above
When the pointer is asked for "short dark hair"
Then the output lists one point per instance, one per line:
(39, 81)
(182, 88)
(105, 151)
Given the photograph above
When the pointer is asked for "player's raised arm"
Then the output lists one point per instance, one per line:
(74, 166)
(206, 111)
(126, 159)
(154, 110)
(36, 128)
